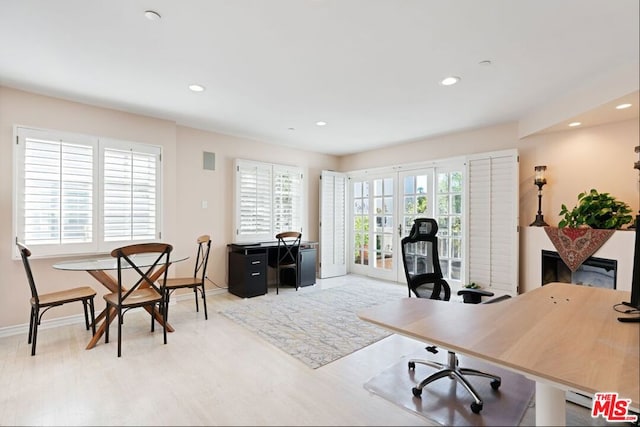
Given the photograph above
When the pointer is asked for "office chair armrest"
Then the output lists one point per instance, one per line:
(474, 296)
(497, 299)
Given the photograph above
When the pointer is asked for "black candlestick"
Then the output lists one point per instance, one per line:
(539, 222)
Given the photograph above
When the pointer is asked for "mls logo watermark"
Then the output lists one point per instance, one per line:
(613, 409)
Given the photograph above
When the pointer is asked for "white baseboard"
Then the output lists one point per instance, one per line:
(45, 324)
(189, 295)
(23, 328)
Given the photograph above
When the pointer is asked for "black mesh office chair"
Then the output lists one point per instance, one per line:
(424, 279)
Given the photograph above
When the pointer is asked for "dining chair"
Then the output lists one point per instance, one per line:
(287, 254)
(144, 292)
(195, 282)
(44, 302)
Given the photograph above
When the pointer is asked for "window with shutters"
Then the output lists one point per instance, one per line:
(269, 199)
(130, 184)
(81, 194)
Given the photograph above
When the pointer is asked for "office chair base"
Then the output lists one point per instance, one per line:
(452, 371)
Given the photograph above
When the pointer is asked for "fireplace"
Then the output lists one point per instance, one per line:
(596, 272)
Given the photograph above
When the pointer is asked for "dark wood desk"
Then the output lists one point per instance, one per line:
(563, 336)
(248, 264)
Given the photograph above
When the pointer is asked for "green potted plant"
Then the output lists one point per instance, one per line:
(596, 210)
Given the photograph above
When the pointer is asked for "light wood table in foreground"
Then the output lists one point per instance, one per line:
(563, 336)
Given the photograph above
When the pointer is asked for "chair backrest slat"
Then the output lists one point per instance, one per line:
(126, 254)
(202, 257)
(288, 246)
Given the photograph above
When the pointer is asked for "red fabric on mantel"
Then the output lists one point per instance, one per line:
(575, 245)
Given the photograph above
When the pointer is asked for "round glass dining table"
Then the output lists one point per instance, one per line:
(98, 268)
(111, 263)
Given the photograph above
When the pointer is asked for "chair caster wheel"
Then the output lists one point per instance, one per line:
(476, 408)
(412, 365)
(495, 384)
(416, 392)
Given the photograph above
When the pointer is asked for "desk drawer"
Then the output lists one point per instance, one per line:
(247, 274)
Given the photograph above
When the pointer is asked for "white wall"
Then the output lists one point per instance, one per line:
(24, 108)
(185, 185)
(217, 188)
(492, 138)
(600, 157)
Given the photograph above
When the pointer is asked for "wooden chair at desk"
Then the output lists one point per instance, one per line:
(425, 280)
(287, 256)
(144, 292)
(85, 294)
(195, 282)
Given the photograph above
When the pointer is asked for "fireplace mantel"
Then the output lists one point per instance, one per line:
(534, 239)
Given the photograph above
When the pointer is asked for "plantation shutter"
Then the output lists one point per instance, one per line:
(333, 224)
(269, 199)
(287, 199)
(253, 200)
(58, 201)
(55, 190)
(130, 184)
(492, 218)
(78, 193)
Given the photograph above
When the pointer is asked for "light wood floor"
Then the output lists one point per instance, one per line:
(211, 372)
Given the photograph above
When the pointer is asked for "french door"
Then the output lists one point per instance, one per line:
(373, 226)
(436, 193)
(475, 202)
(384, 208)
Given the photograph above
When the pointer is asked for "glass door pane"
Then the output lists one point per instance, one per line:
(384, 223)
(449, 217)
(373, 226)
(360, 224)
(417, 200)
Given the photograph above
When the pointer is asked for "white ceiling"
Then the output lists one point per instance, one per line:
(272, 68)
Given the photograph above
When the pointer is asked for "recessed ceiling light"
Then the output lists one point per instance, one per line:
(451, 80)
(623, 106)
(152, 15)
(321, 123)
(574, 124)
(196, 88)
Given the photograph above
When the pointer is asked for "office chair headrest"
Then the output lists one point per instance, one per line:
(423, 228)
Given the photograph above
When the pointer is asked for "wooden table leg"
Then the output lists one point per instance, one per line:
(101, 327)
(100, 316)
(158, 316)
